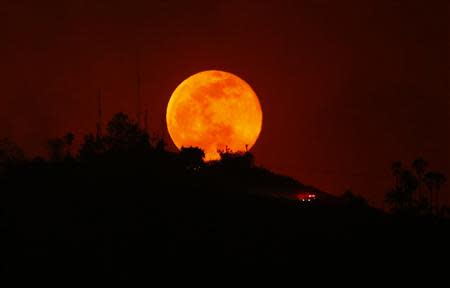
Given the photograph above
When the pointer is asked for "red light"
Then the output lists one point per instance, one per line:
(306, 197)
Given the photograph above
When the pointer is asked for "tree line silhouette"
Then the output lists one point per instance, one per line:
(122, 207)
(416, 190)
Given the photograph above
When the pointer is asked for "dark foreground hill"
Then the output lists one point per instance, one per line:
(119, 218)
(124, 211)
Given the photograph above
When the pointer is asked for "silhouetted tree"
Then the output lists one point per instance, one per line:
(396, 169)
(91, 219)
(445, 211)
(10, 151)
(160, 145)
(192, 157)
(434, 181)
(397, 199)
(124, 135)
(10, 154)
(237, 159)
(91, 147)
(69, 138)
(400, 197)
(56, 147)
(419, 165)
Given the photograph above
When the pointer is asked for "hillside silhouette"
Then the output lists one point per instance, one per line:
(124, 208)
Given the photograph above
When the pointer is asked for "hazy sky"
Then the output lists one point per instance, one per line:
(346, 87)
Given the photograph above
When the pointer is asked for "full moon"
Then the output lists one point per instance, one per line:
(215, 111)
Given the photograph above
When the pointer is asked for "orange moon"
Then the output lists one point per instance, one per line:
(214, 110)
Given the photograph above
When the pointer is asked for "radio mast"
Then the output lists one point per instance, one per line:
(99, 115)
(138, 91)
(146, 121)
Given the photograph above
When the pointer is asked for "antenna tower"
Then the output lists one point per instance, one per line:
(99, 111)
(146, 120)
(138, 91)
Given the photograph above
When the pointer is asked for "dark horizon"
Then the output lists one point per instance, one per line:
(124, 209)
(346, 89)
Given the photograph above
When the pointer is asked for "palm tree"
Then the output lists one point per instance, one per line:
(419, 165)
(440, 179)
(429, 183)
(397, 199)
(400, 196)
(434, 181)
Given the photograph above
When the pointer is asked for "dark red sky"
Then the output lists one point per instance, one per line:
(346, 87)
